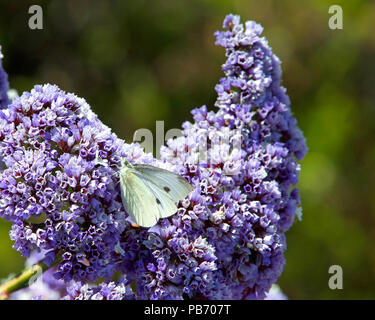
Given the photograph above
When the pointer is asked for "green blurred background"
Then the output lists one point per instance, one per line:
(140, 61)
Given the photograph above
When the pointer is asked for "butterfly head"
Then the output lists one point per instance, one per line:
(125, 163)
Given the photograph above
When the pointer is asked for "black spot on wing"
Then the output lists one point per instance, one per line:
(166, 189)
(157, 201)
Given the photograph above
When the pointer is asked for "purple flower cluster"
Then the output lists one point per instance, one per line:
(4, 85)
(119, 290)
(47, 287)
(227, 239)
(244, 199)
(52, 189)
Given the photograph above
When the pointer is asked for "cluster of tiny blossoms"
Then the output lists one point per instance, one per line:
(244, 198)
(226, 240)
(119, 290)
(47, 287)
(58, 198)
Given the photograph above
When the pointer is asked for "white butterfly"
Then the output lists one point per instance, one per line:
(149, 193)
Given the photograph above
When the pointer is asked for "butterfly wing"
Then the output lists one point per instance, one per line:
(166, 205)
(173, 184)
(144, 201)
(137, 200)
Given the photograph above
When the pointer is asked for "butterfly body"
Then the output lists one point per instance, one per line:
(150, 193)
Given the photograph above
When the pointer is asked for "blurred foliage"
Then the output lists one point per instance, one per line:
(140, 61)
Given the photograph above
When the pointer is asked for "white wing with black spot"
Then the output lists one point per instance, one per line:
(173, 184)
(143, 200)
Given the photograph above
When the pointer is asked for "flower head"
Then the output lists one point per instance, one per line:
(119, 290)
(227, 239)
(244, 199)
(52, 189)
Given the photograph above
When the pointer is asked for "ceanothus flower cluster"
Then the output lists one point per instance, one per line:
(227, 239)
(58, 198)
(119, 290)
(244, 199)
(47, 287)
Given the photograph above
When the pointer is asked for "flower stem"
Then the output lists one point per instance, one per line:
(21, 280)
